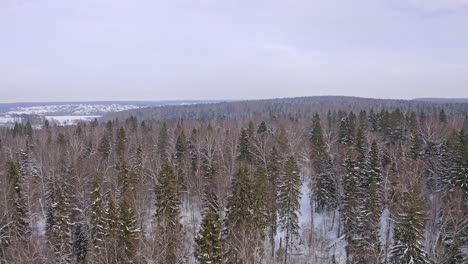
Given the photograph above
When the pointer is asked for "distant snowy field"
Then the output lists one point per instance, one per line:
(71, 109)
(72, 112)
(69, 120)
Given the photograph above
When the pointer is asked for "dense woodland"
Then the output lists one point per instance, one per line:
(304, 180)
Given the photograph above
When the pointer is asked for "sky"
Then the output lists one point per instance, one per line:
(86, 50)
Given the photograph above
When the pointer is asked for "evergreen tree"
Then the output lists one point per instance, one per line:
(262, 128)
(20, 218)
(242, 236)
(97, 211)
(361, 143)
(129, 231)
(168, 213)
(372, 206)
(415, 146)
(351, 209)
(442, 116)
(59, 226)
(163, 143)
(274, 170)
(344, 132)
(111, 217)
(324, 184)
(121, 143)
(244, 147)
(319, 149)
(181, 149)
(409, 230)
(208, 243)
(104, 147)
(80, 243)
(288, 202)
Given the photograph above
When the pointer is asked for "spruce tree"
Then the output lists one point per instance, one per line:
(240, 228)
(20, 218)
(351, 208)
(121, 143)
(324, 184)
(244, 147)
(163, 143)
(59, 226)
(168, 213)
(129, 231)
(97, 211)
(274, 170)
(372, 195)
(79, 243)
(288, 202)
(409, 230)
(208, 243)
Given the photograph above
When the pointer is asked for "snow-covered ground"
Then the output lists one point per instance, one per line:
(69, 120)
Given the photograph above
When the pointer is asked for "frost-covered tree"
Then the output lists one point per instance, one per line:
(242, 237)
(58, 225)
(325, 191)
(20, 217)
(274, 171)
(288, 202)
(168, 214)
(97, 214)
(351, 209)
(79, 243)
(128, 231)
(409, 230)
(208, 243)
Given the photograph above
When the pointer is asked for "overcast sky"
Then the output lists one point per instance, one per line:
(69, 50)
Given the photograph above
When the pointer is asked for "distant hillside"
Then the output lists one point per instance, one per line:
(442, 100)
(286, 107)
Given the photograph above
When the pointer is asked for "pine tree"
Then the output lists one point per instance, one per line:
(208, 248)
(168, 213)
(409, 230)
(288, 202)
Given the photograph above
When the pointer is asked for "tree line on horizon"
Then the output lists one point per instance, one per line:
(231, 189)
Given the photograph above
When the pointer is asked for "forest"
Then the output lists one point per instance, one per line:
(297, 180)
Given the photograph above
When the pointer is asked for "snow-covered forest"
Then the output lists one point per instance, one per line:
(303, 180)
